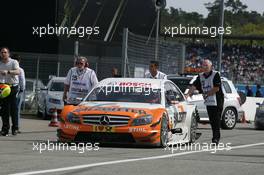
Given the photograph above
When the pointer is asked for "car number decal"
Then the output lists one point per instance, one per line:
(98, 128)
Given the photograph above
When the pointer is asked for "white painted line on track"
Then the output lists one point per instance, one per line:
(127, 160)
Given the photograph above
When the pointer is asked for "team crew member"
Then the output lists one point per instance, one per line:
(9, 69)
(209, 84)
(21, 91)
(79, 82)
(154, 72)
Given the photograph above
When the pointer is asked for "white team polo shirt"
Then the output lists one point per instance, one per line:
(80, 82)
(159, 75)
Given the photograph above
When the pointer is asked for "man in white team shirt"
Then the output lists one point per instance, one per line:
(79, 82)
(154, 72)
(209, 84)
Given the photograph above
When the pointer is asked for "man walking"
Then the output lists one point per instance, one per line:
(209, 84)
(9, 69)
(21, 91)
(79, 82)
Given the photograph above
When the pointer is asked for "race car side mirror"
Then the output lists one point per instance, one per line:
(79, 98)
(258, 104)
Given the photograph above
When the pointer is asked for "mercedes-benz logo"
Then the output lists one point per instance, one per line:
(104, 120)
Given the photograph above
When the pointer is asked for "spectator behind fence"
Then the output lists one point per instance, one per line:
(115, 72)
(258, 92)
(79, 82)
(21, 90)
(9, 69)
(249, 91)
(154, 72)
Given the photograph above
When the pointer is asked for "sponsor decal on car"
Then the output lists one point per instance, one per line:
(137, 130)
(77, 128)
(110, 109)
(98, 128)
(135, 84)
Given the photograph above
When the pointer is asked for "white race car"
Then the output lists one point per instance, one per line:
(131, 110)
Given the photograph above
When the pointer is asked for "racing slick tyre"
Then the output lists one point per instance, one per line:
(229, 118)
(193, 129)
(163, 132)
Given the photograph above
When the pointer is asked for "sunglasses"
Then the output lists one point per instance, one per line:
(80, 63)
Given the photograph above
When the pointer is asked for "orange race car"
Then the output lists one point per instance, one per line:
(130, 110)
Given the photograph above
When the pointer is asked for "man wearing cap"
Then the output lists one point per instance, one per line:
(9, 71)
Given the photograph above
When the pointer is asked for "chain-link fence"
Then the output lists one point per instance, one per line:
(41, 66)
(139, 50)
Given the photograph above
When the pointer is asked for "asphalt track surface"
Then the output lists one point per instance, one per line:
(21, 154)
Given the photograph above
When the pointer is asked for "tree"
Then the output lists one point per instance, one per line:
(235, 6)
(213, 15)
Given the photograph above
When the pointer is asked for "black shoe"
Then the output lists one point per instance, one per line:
(215, 141)
(14, 132)
(4, 133)
(18, 131)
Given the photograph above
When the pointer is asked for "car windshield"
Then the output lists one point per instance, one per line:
(182, 83)
(57, 86)
(125, 94)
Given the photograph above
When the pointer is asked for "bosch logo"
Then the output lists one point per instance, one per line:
(104, 120)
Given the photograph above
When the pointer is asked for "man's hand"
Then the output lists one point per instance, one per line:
(3, 72)
(64, 98)
(205, 96)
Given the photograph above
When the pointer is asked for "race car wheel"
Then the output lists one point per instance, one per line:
(229, 118)
(193, 129)
(163, 132)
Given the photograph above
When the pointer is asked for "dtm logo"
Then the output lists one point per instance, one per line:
(104, 120)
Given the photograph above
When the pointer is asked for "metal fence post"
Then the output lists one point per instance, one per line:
(124, 51)
(58, 69)
(183, 59)
(37, 79)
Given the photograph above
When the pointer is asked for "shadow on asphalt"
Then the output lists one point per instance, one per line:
(253, 129)
(34, 117)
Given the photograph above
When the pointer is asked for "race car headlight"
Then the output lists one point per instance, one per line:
(73, 118)
(55, 101)
(143, 120)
